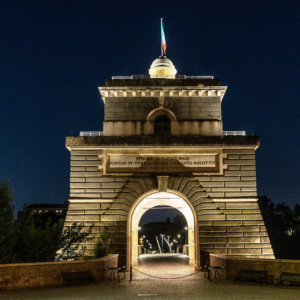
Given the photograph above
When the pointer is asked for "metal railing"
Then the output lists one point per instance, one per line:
(234, 133)
(193, 77)
(147, 76)
(131, 77)
(91, 133)
(121, 77)
(100, 133)
(140, 76)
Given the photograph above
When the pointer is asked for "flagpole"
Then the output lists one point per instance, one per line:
(161, 41)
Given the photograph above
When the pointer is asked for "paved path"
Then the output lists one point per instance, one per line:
(177, 259)
(163, 266)
(144, 287)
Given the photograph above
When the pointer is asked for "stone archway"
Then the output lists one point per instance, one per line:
(155, 198)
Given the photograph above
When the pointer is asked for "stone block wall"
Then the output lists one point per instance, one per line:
(229, 219)
(274, 267)
(127, 108)
(238, 228)
(178, 128)
(41, 274)
(239, 178)
(185, 108)
(194, 108)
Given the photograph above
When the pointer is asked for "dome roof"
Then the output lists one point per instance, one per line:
(162, 67)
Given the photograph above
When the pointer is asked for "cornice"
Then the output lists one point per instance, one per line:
(173, 91)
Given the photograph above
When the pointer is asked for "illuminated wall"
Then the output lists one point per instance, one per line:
(214, 174)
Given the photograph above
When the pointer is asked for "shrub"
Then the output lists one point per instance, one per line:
(102, 246)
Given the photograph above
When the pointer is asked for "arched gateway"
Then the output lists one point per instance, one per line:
(163, 142)
(150, 200)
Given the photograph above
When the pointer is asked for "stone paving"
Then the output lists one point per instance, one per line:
(145, 287)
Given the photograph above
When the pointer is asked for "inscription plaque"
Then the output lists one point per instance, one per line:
(128, 163)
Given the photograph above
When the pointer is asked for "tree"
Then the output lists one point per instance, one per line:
(157, 232)
(7, 222)
(167, 240)
(47, 240)
(71, 244)
(30, 240)
(283, 226)
(36, 241)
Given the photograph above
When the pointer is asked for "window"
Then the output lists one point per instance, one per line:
(162, 125)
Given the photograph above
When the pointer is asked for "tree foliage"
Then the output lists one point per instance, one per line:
(36, 242)
(71, 243)
(283, 226)
(7, 236)
(102, 245)
(31, 239)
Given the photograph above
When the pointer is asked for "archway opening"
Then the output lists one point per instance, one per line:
(158, 200)
(162, 230)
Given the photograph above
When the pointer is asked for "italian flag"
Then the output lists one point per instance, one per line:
(163, 39)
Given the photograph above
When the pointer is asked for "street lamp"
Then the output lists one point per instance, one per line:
(178, 235)
(185, 234)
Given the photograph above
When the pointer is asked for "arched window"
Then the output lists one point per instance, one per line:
(162, 125)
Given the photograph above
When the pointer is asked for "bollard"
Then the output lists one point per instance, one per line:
(130, 272)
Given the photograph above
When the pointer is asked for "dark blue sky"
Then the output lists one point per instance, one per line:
(54, 54)
(159, 214)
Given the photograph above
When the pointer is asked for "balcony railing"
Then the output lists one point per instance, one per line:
(131, 77)
(100, 133)
(91, 133)
(234, 133)
(193, 77)
(147, 76)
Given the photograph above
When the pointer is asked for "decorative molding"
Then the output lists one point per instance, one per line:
(235, 199)
(162, 182)
(141, 92)
(89, 200)
(161, 111)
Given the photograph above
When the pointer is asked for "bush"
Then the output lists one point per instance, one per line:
(102, 246)
(71, 244)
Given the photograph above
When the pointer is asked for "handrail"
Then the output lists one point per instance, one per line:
(225, 133)
(234, 133)
(91, 133)
(147, 76)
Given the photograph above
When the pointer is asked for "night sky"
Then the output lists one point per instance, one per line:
(54, 55)
(159, 214)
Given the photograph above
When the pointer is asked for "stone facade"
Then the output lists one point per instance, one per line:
(223, 197)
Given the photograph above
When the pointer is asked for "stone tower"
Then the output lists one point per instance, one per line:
(162, 143)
